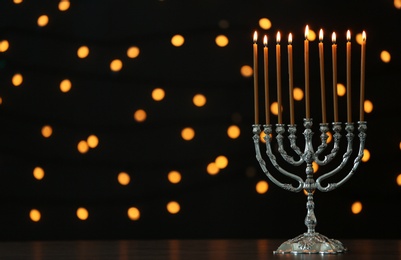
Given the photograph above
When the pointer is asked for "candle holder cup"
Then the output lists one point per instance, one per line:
(310, 242)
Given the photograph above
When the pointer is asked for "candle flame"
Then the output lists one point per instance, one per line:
(278, 37)
(290, 38)
(255, 37)
(306, 32)
(265, 40)
(364, 36)
(321, 35)
(348, 35)
(333, 38)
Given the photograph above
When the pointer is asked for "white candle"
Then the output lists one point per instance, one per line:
(278, 65)
(363, 61)
(322, 84)
(349, 108)
(291, 78)
(266, 70)
(255, 76)
(334, 59)
(306, 61)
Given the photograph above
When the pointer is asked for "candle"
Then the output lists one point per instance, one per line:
(291, 78)
(306, 60)
(266, 67)
(349, 109)
(255, 77)
(334, 59)
(363, 61)
(322, 85)
(278, 65)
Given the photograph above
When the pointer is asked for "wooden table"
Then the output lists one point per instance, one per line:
(185, 249)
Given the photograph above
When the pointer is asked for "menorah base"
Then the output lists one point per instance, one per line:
(311, 243)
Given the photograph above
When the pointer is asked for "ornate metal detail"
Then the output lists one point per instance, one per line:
(310, 242)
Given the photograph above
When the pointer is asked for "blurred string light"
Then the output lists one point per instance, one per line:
(246, 71)
(366, 155)
(158, 94)
(83, 146)
(177, 40)
(311, 35)
(116, 65)
(329, 138)
(38, 173)
(188, 133)
(341, 90)
(233, 132)
(92, 141)
(221, 40)
(174, 177)
(385, 56)
(43, 20)
(123, 178)
(397, 4)
(212, 168)
(17, 79)
(133, 52)
(221, 161)
(83, 52)
(82, 213)
(4, 45)
(35, 215)
(356, 207)
(315, 167)
(262, 136)
(140, 115)
(133, 213)
(63, 5)
(199, 100)
(398, 179)
(65, 85)
(298, 94)
(47, 131)
(17, 1)
(173, 207)
(265, 23)
(368, 106)
(262, 187)
(274, 108)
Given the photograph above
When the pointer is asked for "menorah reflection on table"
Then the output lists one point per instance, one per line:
(311, 241)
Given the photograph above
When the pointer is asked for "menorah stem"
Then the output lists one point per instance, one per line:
(310, 186)
(310, 219)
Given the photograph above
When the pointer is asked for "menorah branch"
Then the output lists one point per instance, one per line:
(262, 163)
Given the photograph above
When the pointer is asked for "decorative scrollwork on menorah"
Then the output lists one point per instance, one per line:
(311, 241)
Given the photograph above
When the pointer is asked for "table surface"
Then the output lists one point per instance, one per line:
(186, 249)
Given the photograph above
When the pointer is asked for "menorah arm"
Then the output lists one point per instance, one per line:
(292, 130)
(362, 137)
(262, 163)
(323, 137)
(337, 137)
(289, 159)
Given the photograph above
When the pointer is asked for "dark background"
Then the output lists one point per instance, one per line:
(102, 102)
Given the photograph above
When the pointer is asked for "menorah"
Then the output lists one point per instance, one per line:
(310, 241)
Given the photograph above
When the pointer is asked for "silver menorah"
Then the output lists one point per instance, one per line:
(311, 241)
